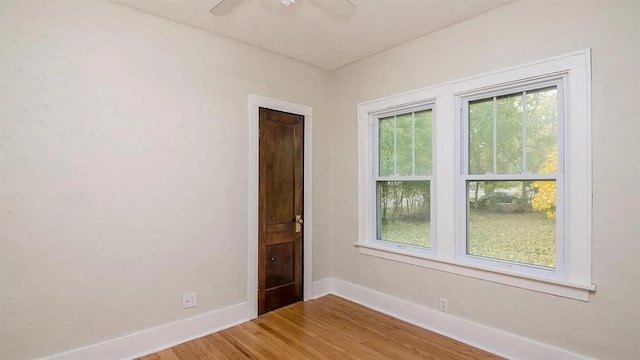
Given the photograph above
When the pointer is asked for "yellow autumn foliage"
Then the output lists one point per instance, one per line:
(545, 197)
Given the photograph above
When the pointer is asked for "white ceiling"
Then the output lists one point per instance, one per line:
(326, 33)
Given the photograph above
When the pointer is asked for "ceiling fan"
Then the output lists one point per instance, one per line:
(224, 7)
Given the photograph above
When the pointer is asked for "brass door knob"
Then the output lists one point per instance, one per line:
(299, 222)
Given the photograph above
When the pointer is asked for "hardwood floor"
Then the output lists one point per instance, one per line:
(326, 328)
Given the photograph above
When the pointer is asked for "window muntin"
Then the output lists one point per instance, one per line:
(511, 178)
(403, 178)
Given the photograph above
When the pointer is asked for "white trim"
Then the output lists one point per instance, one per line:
(480, 336)
(575, 69)
(580, 58)
(155, 339)
(254, 103)
(498, 275)
(322, 287)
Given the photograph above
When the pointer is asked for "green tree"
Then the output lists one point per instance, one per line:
(525, 125)
(545, 197)
(405, 149)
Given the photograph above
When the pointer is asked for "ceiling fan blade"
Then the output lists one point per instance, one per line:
(225, 6)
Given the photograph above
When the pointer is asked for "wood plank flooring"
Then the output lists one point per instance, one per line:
(327, 328)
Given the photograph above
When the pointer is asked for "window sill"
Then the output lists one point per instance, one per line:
(544, 285)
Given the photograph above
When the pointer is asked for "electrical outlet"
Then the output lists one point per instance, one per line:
(444, 305)
(189, 300)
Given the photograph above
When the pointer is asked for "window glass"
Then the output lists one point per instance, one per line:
(423, 146)
(512, 221)
(500, 128)
(514, 135)
(386, 133)
(542, 129)
(481, 137)
(404, 144)
(404, 210)
(509, 117)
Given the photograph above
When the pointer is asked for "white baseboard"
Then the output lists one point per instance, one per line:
(493, 340)
(165, 336)
(162, 337)
(322, 287)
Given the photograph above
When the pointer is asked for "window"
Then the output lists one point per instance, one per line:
(511, 179)
(495, 185)
(403, 177)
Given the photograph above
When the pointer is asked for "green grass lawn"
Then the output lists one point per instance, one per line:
(527, 238)
(409, 233)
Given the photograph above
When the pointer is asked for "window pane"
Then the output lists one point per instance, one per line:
(424, 157)
(509, 134)
(404, 145)
(385, 144)
(542, 130)
(481, 136)
(497, 138)
(404, 212)
(512, 221)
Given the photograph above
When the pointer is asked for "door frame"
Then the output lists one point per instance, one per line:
(255, 103)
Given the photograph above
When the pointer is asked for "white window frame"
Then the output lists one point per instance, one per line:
(572, 279)
(374, 121)
(558, 81)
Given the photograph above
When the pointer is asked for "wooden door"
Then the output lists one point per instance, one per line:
(280, 206)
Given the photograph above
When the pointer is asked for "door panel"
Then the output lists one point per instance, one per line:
(280, 201)
(279, 297)
(280, 169)
(279, 265)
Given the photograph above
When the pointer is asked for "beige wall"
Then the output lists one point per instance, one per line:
(608, 326)
(124, 170)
